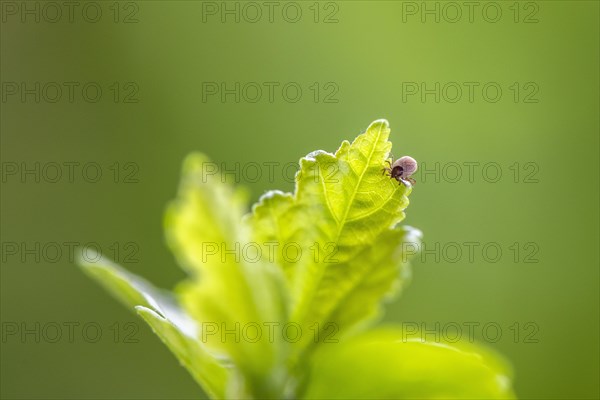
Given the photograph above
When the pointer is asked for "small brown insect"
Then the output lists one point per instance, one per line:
(402, 169)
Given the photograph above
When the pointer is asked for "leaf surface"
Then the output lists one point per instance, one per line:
(341, 218)
(229, 294)
(386, 364)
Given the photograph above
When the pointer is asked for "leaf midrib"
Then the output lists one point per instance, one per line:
(343, 221)
(321, 271)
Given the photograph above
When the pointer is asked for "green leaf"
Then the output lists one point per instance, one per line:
(205, 369)
(348, 254)
(175, 328)
(273, 224)
(382, 365)
(375, 273)
(350, 192)
(341, 217)
(207, 212)
(226, 292)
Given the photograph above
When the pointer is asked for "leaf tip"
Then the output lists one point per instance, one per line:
(144, 311)
(379, 124)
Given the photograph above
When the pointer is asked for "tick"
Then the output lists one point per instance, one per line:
(401, 169)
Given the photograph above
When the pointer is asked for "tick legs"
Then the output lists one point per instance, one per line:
(387, 169)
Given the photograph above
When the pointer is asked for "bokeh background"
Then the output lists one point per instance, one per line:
(355, 61)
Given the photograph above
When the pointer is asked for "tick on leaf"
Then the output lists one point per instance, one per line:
(401, 169)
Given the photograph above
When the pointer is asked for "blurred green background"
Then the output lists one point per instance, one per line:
(367, 60)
